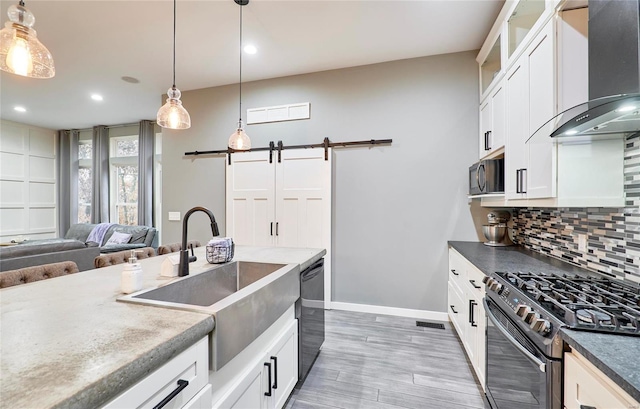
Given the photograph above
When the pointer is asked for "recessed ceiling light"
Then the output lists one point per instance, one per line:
(20, 109)
(130, 80)
(250, 49)
(96, 97)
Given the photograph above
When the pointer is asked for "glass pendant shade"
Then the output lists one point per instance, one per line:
(172, 114)
(239, 140)
(21, 52)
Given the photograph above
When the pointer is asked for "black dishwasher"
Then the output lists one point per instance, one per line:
(310, 315)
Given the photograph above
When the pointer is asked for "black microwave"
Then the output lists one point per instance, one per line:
(486, 176)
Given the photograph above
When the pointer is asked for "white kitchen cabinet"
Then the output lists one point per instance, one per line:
(202, 400)
(476, 322)
(586, 386)
(548, 74)
(191, 365)
(267, 381)
(492, 122)
(491, 62)
(517, 92)
(283, 356)
(466, 312)
(458, 315)
(530, 163)
(281, 200)
(248, 393)
(456, 310)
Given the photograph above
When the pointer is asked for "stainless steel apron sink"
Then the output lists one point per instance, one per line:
(245, 298)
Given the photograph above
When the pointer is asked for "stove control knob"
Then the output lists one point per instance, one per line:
(531, 317)
(541, 326)
(522, 310)
(485, 279)
(496, 286)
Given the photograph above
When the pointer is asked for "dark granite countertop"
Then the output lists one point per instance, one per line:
(615, 355)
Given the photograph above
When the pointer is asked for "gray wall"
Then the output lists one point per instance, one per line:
(395, 206)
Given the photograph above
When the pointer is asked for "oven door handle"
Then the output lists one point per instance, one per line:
(541, 365)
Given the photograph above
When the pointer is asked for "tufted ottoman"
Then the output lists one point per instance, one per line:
(110, 259)
(36, 273)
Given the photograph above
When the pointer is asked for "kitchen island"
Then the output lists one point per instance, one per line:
(615, 355)
(67, 342)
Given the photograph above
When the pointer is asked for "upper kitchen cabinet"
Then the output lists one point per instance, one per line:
(529, 163)
(546, 73)
(492, 122)
(514, 28)
(523, 18)
(491, 65)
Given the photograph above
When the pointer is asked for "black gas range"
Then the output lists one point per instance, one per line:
(525, 312)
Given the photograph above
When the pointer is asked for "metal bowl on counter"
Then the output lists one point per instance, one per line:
(495, 234)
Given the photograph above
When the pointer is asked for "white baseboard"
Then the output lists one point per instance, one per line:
(398, 312)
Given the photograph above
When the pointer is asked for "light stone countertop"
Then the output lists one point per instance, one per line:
(67, 342)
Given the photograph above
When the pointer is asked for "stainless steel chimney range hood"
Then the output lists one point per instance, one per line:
(614, 115)
(613, 109)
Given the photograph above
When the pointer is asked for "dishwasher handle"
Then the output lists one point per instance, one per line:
(311, 272)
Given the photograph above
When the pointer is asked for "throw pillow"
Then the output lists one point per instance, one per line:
(118, 238)
(138, 234)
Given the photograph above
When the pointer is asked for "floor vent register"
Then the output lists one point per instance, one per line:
(425, 324)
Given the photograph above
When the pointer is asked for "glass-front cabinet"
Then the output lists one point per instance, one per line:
(522, 19)
(492, 65)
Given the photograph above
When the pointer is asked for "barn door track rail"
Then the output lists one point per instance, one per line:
(279, 147)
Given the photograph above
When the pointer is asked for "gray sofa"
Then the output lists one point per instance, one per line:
(74, 247)
(39, 252)
(141, 236)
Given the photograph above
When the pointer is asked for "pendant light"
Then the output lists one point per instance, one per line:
(21, 52)
(239, 140)
(172, 114)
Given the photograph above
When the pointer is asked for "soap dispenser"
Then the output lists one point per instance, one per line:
(132, 275)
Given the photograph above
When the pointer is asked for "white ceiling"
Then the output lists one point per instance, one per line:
(95, 43)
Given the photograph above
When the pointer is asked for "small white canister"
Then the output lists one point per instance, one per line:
(131, 275)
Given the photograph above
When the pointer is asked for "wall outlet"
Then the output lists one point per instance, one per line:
(174, 216)
(582, 242)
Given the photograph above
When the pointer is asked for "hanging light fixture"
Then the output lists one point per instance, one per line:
(21, 52)
(172, 114)
(239, 140)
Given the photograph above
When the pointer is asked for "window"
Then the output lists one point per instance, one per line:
(85, 177)
(123, 182)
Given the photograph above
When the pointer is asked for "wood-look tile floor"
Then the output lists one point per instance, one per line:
(384, 362)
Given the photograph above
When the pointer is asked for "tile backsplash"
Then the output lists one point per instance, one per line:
(612, 234)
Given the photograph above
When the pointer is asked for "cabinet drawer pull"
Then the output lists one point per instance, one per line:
(488, 148)
(473, 283)
(268, 365)
(587, 407)
(453, 309)
(271, 228)
(181, 385)
(277, 223)
(454, 273)
(275, 371)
